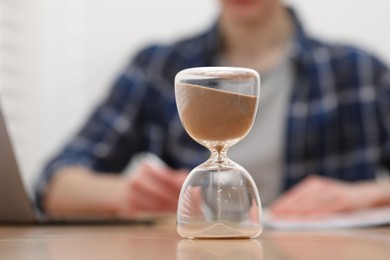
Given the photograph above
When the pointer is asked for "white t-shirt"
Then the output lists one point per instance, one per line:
(261, 152)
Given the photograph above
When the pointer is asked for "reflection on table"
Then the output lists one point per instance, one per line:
(243, 249)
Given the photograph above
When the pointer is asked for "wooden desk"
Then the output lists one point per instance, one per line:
(161, 241)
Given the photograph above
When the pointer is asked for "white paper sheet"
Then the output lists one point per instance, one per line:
(365, 218)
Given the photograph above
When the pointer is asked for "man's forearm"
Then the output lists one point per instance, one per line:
(76, 191)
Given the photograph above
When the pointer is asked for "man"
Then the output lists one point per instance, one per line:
(323, 113)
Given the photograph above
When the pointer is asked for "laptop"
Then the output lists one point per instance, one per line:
(15, 204)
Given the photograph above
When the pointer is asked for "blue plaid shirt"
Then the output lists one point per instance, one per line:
(338, 121)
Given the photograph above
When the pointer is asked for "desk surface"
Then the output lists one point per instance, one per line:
(161, 241)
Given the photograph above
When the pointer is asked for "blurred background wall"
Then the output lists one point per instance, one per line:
(59, 57)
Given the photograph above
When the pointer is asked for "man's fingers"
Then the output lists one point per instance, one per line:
(163, 175)
(155, 188)
(292, 200)
(314, 196)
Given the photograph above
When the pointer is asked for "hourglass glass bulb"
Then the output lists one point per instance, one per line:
(217, 107)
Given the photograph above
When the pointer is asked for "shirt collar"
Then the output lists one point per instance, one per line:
(299, 49)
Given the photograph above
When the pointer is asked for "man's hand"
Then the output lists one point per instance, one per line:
(317, 196)
(151, 189)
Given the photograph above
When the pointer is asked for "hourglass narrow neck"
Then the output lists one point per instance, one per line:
(218, 150)
(219, 156)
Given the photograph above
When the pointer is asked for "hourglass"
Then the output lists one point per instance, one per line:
(217, 107)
